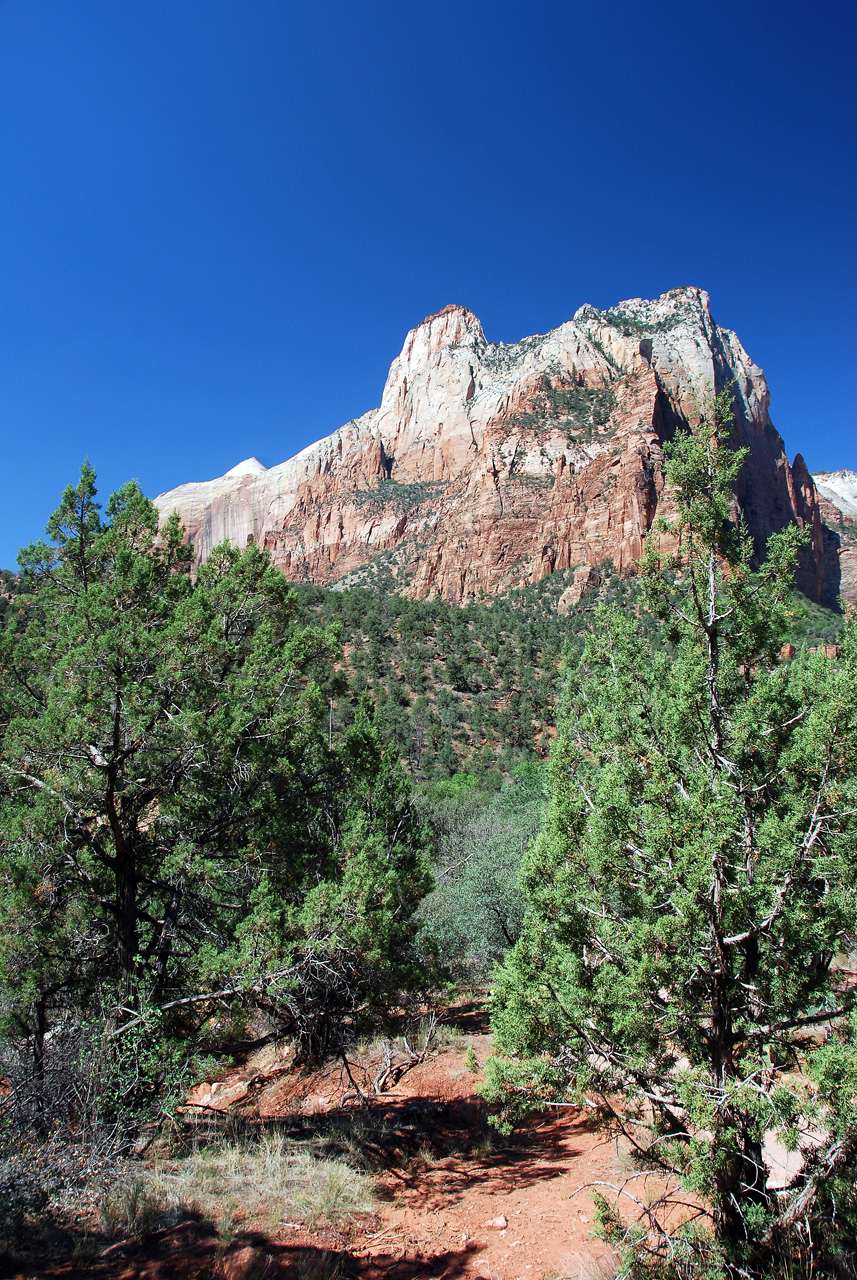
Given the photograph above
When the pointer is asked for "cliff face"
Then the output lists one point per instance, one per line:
(487, 465)
(838, 491)
(837, 499)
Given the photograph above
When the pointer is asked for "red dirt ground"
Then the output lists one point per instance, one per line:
(516, 1212)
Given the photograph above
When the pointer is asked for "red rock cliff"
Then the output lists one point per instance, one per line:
(489, 465)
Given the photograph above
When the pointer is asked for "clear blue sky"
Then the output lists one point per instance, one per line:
(218, 219)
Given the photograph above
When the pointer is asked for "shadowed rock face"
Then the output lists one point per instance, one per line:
(837, 499)
(488, 466)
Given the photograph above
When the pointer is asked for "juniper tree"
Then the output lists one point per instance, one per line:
(176, 833)
(694, 882)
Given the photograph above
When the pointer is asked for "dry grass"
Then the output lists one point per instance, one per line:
(440, 1035)
(585, 1266)
(319, 1264)
(271, 1179)
(138, 1207)
(425, 1158)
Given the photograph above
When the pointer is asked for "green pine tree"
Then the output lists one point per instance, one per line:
(176, 832)
(695, 880)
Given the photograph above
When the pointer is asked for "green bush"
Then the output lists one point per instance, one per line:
(474, 913)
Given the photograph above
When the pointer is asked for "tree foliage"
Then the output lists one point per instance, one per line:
(476, 687)
(474, 913)
(177, 835)
(693, 886)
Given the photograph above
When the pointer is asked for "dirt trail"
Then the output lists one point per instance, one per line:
(451, 1200)
(519, 1211)
(510, 1212)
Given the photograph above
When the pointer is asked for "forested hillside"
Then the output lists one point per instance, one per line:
(474, 688)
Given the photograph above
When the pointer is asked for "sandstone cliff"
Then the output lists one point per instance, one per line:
(837, 490)
(488, 465)
(837, 499)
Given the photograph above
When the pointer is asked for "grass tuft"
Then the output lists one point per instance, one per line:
(139, 1207)
(269, 1178)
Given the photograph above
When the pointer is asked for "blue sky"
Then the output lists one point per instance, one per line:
(219, 219)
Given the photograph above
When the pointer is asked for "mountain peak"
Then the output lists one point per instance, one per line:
(452, 324)
(453, 308)
(249, 467)
(490, 465)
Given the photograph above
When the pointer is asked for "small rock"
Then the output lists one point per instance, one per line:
(499, 1223)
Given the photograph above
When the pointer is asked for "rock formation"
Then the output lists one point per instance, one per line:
(837, 499)
(837, 491)
(488, 465)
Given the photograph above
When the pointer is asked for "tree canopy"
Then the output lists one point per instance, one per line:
(177, 834)
(688, 898)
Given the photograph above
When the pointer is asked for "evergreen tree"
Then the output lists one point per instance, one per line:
(175, 829)
(474, 913)
(695, 880)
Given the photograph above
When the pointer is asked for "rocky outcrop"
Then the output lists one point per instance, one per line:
(837, 491)
(586, 579)
(488, 466)
(837, 499)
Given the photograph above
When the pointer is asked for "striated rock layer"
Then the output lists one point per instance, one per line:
(837, 498)
(488, 466)
(838, 489)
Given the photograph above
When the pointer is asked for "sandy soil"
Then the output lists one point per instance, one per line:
(451, 1202)
(517, 1211)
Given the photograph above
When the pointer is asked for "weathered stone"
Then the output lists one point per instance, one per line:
(489, 466)
(838, 489)
(586, 578)
(837, 500)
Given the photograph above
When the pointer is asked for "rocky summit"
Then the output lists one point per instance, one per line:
(488, 466)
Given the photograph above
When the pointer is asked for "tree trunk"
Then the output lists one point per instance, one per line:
(126, 916)
(39, 1039)
(740, 1184)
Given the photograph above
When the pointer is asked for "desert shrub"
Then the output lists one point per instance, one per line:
(91, 1088)
(22, 1197)
(474, 913)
